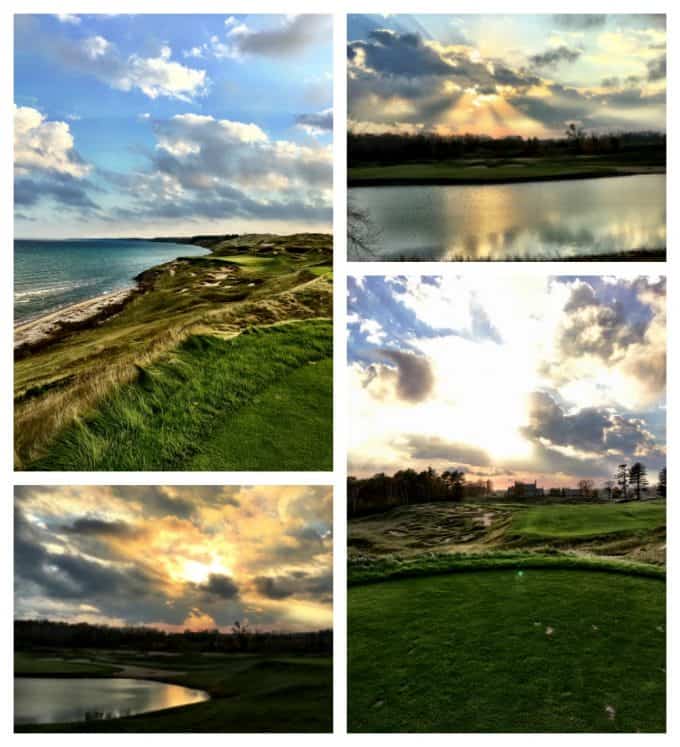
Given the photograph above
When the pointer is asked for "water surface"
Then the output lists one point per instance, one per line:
(49, 275)
(506, 221)
(46, 700)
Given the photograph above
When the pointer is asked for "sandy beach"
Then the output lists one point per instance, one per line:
(43, 328)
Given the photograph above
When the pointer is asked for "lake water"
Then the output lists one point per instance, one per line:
(504, 221)
(44, 700)
(49, 275)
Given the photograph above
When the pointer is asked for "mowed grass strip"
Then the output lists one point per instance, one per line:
(175, 408)
(289, 423)
(588, 520)
(502, 651)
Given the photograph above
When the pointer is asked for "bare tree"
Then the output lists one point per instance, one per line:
(362, 233)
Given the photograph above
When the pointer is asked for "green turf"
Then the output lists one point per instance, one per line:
(500, 651)
(28, 665)
(249, 693)
(475, 171)
(184, 407)
(588, 520)
(299, 407)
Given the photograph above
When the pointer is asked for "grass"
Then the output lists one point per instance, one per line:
(541, 651)
(247, 281)
(495, 171)
(588, 520)
(29, 665)
(249, 693)
(213, 404)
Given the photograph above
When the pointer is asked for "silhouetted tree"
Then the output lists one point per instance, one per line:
(637, 476)
(586, 487)
(661, 487)
(622, 480)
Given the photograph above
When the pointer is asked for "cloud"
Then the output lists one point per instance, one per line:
(579, 21)
(218, 168)
(317, 123)
(114, 554)
(438, 449)
(414, 378)
(656, 69)
(290, 39)
(155, 76)
(554, 56)
(68, 18)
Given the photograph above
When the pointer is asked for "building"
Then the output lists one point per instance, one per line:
(525, 490)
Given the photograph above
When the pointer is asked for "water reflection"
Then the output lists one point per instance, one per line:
(44, 700)
(506, 221)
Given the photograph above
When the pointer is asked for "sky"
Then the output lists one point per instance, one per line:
(146, 125)
(175, 558)
(504, 75)
(526, 377)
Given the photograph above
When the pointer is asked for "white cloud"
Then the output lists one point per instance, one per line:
(68, 18)
(42, 145)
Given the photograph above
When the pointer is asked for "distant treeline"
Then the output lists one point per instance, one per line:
(387, 149)
(32, 634)
(382, 492)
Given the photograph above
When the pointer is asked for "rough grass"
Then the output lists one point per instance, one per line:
(503, 651)
(249, 693)
(29, 665)
(187, 406)
(588, 520)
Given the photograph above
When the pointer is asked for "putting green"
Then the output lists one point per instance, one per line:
(508, 651)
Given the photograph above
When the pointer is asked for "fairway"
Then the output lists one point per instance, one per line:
(507, 651)
(249, 693)
(565, 521)
(258, 401)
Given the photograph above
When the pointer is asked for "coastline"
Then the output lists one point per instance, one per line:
(36, 332)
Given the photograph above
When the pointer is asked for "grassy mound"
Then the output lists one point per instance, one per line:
(214, 404)
(588, 520)
(508, 651)
(249, 693)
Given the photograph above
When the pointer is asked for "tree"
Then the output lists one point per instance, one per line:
(637, 477)
(362, 233)
(455, 480)
(622, 480)
(586, 487)
(661, 487)
(609, 487)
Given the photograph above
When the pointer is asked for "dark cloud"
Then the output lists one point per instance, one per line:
(433, 448)
(290, 40)
(590, 429)
(219, 585)
(656, 69)
(392, 53)
(100, 528)
(554, 56)
(61, 189)
(301, 585)
(415, 379)
(579, 21)
(322, 121)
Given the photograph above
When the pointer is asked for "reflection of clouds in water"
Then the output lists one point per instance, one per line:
(543, 219)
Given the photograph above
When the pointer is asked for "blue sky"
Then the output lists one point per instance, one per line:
(553, 379)
(498, 75)
(120, 124)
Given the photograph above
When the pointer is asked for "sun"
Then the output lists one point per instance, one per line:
(196, 572)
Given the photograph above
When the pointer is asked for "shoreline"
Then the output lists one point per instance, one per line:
(47, 328)
(458, 181)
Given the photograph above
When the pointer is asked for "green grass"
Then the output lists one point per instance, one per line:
(188, 410)
(288, 423)
(495, 171)
(29, 665)
(474, 652)
(249, 693)
(588, 520)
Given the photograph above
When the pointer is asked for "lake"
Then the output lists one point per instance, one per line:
(506, 221)
(49, 275)
(45, 700)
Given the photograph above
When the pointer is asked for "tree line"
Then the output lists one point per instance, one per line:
(389, 149)
(631, 483)
(32, 634)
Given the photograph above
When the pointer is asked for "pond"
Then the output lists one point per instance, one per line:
(46, 700)
(551, 220)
